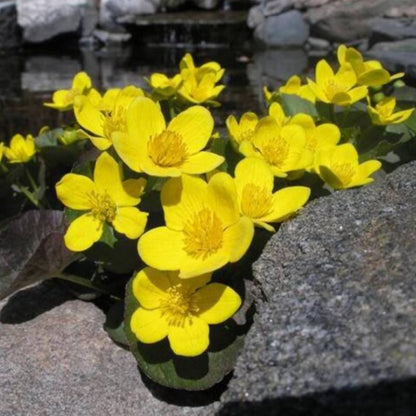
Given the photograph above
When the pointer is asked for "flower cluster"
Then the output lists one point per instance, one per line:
(162, 141)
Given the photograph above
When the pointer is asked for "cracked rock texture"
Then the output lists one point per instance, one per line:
(338, 332)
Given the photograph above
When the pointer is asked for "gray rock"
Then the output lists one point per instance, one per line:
(338, 333)
(56, 360)
(255, 17)
(318, 44)
(386, 30)
(397, 56)
(283, 30)
(334, 20)
(274, 7)
(42, 19)
(9, 31)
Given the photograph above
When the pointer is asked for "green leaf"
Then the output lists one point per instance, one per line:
(224, 147)
(293, 104)
(161, 365)
(32, 249)
(114, 324)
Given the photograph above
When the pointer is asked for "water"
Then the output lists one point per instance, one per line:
(28, 79)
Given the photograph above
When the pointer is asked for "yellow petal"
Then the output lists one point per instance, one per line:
(148, 326)
(188, 285)
(191, 339)
(276, 111)
(162, 248)
(327, 134)
(201, 162)
(266, 128)
(346, 77)
(286, 202)
(144, 120)
(74, 191)
(101, 143)
(237, 239)
(303, 120)
(88, 116)
(83, 232)
(135, 187)
(374, 78)
(107, 178)
(130, 221)
(81, 81)
(191, 266)
(367, 168)
(357, 94)
(323, 72)
(195, 126)
(345, 153)
(255, 171)
(223, 198)
(216, 303)
(181, 199)
(150, 287)
(317, 91)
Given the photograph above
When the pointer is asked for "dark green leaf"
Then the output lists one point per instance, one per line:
(160, 364)
(114, 324)
(293, 104)
(32, 249)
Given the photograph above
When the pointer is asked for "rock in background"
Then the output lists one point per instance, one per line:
(41, 20)
(337, 334)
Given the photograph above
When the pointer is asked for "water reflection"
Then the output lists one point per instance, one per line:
(27, 80)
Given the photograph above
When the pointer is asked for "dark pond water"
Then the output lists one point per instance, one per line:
(28, 79)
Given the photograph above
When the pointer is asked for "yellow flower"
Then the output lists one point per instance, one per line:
(107, 199)
(187, 63)
(369, 73)
(20, 150)
(276, 111)
(243, 130)
(99, 121)
(204, 230)
(203, 91)
(151, 147)
(283, 148)
(326, 134)
(270, 96)
(254, 182)
(164, 87)
(294, 86)
(336, 88)
(383, 113)
(339, 167)
(64, 99)
(179, 309)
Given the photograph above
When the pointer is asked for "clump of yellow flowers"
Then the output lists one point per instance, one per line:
(163, 181)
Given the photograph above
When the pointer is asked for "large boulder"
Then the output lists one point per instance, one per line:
(283, 30)
(41, 20)
(56, 360)
(337, 334)
(344, 20)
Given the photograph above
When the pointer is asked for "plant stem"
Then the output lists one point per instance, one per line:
(82, 281)
(29, 196)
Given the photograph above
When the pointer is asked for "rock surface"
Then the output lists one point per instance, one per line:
(338, 333)
(42, 19)
(9, 31)
(283, 30)
(56, 360)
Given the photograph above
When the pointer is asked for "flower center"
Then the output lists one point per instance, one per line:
(102, 206)
(255, 201)
(178, 306)
(332, 88)
(203, 234)
(167, 149)
(344, 172)
(116, 121)
(246, 135)
(275, 151)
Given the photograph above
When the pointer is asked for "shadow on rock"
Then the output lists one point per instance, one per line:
(384, 399)
(27, 304)
(186, 398)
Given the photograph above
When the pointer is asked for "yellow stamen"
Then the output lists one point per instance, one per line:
(178, 306)
(344, 172)
(167, 149)
(256, 202)
(275, 152)
(116, 121)
(203, 234)
(102, 206)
